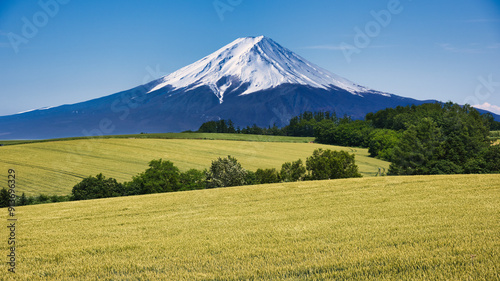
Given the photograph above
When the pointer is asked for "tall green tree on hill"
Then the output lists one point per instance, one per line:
(192, 179)
(225, 172)
(452, 140)
(491, 157)
(161, 176)
(293, 171)
(221, 126)
(4, 198)
(328, 164)
(264, 176)
(382, 142)
(93, 188)
(419, 145)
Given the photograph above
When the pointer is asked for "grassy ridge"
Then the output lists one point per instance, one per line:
(55, 167)
(390, 228)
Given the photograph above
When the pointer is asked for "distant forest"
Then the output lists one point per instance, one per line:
(432, 138)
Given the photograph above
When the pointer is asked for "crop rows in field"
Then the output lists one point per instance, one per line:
(385, 228)
(55, 167)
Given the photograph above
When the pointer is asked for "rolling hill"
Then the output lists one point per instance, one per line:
(385, 228)
(55, 167)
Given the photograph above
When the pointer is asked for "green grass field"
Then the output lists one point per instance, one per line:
(54, 167)
(384, 228)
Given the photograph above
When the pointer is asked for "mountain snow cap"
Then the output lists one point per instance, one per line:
(258, 62)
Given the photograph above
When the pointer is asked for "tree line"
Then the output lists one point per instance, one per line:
(299, 126)
(422, 140)
(163, 176)
(432, 138)
(31, 200)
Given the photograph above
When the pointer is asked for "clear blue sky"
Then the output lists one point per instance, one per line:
(85, 49)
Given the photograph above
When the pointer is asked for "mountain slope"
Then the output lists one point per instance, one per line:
(252, 80)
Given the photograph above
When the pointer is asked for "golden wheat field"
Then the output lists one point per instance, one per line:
(53, 168)
(379, 228)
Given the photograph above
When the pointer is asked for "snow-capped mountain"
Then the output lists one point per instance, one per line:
(252, 80)
(256, 63)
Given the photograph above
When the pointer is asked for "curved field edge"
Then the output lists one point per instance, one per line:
(391, 228)
(55, 167)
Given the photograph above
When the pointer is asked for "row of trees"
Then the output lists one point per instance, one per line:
(164, 176)
(30, 200)
(227, 127)
(421, 140)
(300, 126)
(430, 138)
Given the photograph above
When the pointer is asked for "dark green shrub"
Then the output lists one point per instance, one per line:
(192, 179)
(328, 164)
(92, 188)
(264, 176)
(293, 171)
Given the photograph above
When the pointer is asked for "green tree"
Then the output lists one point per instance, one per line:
(475, 165)
(328, 164)
(419, 145)
(192, 179)
(443, 167)
(161, 176)
(293, 171)
(491, 157)
(465, 133)
(225, 172)
(382, 143)
(57, 198)
(450, 139)
(264, 176)
(42, 198)
(250, 178)
(208, 127)
(4, 198)
(92, 188)
(23, 200)
(346, 133)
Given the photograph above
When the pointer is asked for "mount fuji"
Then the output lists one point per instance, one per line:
(252, 80)
(253, 64)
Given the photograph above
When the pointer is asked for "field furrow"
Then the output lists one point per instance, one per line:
(385, 228)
